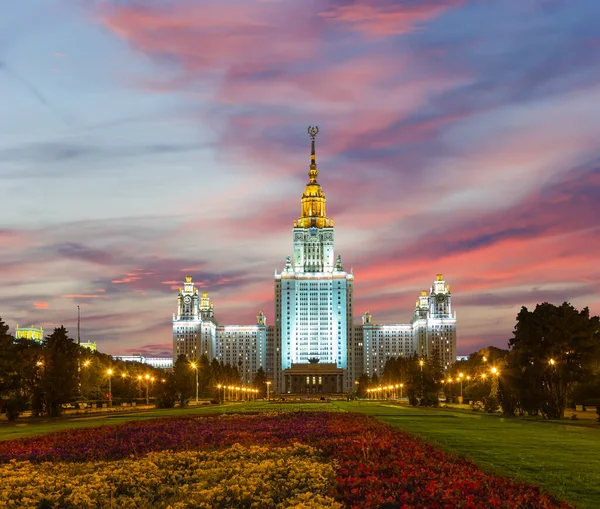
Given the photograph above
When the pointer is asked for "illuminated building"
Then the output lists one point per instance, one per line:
(155, 362)
(313, 293)
(90, 345)
(432, 332)
(33, 333)
(196, 333)
(313, 345)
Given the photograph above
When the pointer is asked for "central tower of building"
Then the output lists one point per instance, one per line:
(313, 293)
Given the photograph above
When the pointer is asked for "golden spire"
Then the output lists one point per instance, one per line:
(313, 173)
(313, 200)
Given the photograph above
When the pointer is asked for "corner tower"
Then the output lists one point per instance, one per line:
(313, 293)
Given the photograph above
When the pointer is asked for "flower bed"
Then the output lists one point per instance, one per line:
(374, 465)
(238, 476)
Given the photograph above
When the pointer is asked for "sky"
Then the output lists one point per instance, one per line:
(142, 141)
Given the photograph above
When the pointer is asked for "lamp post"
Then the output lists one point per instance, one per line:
(460, 377)
(401, 385)
(421, 362)
(110, 372)
(147, 377)
(195, 366)
(268, 382)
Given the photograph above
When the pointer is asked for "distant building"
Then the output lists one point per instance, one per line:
(155, 362)
(462, 358)
(34, 333)
(432, 331)
(160, 362)
(196, 333)
(90, 345)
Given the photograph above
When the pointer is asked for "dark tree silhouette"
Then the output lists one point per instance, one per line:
(59, 378)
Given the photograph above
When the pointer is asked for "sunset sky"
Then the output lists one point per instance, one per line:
(144, 141)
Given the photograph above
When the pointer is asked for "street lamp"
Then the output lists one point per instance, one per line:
(460, 377)
(110, 372)
(401, 385)
(195, 366)
(147, 377)
(268, 382)
(552, 362)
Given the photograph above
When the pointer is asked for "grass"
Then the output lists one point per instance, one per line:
(39, 426)
(563, 459)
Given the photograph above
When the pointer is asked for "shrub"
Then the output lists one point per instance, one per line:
(13, 407)
(490, 404)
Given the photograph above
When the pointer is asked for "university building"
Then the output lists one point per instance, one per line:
(313, 345)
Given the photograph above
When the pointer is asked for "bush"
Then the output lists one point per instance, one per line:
(165, 399)
(412, 399)
(491, 404)
(214, 402)
(430, 399)
(13, 408)
(598, 412)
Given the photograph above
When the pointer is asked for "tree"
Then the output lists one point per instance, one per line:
(165, 392)
(59, 380)
(259, 382)
(363, 385)
(553, 349)
(184, 380)
(8, 371)
(19, 372)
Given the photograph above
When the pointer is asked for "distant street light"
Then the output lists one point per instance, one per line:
(147, 377)
(268, 382)
(110, 372)
(195, 366)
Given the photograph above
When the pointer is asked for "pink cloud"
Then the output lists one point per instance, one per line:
(41, 305)
(380, 18)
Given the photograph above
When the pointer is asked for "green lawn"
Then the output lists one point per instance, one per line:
(563, 459)
(29, 427)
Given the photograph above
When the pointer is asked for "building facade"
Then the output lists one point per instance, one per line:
(432, 331)
(313, 293)
(313, 322)
(33, 333)
(155, 362)
(196, 333)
